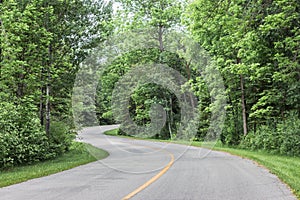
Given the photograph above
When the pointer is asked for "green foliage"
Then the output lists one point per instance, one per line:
(42, 43)
(21, 138)
(145, 95)
(61, 137)
(256, 46)
(291, 136)
(283, 139)
(79, 154)
(230, 135)
(265, 138)
(162, 13)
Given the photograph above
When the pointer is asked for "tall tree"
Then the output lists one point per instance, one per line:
(255, 43)
(42, 44)
(160, 17)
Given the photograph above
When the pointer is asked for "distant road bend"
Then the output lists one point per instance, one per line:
(144, 170)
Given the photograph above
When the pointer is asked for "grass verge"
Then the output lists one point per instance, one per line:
(79, 154)
(286, 168)
(113, 132)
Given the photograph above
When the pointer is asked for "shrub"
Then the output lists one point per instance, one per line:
(231, 134)
(290, 131)
(61, 137)
(283, 139)
(21, 137)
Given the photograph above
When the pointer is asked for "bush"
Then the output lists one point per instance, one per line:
(21, 137)
(265, 138)
(283, 139)
(290, 130)
(231, 132)
(61, 137)
(23, 140)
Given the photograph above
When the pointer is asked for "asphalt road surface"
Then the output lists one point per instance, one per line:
(143, 170)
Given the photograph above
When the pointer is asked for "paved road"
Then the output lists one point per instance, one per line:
(195, 174)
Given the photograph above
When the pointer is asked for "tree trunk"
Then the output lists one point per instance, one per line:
(160, 38)
(243, 106)
(48, 110)
(188, 69)
(41, 113)
(171, 118)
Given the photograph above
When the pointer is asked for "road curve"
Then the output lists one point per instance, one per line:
(143, 170)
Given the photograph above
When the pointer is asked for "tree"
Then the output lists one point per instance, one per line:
(50, 38)
(255, 43)
(78, 26)
(42, 44)
(159, 17)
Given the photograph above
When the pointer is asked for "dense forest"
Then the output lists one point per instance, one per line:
(255, 45)
(42, 44)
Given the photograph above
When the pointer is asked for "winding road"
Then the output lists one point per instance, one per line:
(144, 170)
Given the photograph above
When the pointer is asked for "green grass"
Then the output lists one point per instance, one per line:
(286, 168)
(79, 154)
(113, 132)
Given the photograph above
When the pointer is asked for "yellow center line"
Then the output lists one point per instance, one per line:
(153, 179)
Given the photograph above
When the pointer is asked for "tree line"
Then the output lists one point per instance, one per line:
(42, 44)
(255, 45)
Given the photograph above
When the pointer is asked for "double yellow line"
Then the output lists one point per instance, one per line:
(153, 179)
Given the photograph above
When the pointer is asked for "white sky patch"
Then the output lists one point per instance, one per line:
(116, 6)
